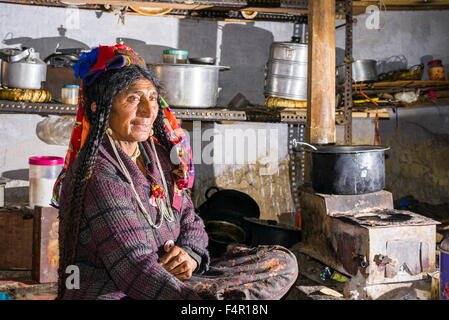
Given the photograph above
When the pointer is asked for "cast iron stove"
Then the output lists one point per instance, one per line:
(363, 236)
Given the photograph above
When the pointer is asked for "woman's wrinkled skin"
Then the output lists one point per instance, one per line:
(133, 112)
(132, 116)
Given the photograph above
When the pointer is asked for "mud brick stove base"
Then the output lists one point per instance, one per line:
(363, 236)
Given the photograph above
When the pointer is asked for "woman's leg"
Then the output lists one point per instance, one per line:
(260, 273)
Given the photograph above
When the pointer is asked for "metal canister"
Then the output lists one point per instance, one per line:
(444, 269)
(286, 75)
(22, 69)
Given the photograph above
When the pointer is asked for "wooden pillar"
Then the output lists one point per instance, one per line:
(320, 127)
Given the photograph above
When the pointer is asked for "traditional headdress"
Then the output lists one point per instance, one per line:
(89, 67)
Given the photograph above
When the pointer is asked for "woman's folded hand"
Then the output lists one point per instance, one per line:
(179, 263)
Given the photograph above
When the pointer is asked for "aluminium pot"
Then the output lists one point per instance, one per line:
(362, 70)
(22, 69)
(189, 85)
(270, 232)
(348, 170)
(286, 71)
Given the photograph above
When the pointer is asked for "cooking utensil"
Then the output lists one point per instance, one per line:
(189, 85)
(22, 69)
(203, 60)
(347, 170)
(362, 70)
(221, 234)
(271, 232)
(286, 75)
(228, 205)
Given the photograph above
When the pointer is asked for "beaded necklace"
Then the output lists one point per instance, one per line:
(159, 194)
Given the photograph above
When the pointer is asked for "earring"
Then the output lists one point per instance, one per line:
(151, 132)
(109, 132)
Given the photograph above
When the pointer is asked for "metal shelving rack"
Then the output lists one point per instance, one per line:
(211, 114)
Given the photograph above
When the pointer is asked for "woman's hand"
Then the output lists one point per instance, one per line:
(179, 263)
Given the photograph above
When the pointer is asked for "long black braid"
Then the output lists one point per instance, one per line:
(102, 92)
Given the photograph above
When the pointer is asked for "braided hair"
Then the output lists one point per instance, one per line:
(102, 92)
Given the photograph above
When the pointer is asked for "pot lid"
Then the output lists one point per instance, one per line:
(288, 44)
(349, 149)
(13, 55)
(10, 51)
(272, 224)
(434, 61)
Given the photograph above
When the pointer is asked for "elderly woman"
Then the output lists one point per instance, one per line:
(127, 221)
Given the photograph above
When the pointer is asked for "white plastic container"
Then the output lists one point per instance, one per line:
(42, 176)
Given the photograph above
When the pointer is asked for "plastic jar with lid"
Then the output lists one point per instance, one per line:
(175, 56)
(69, 94)
(436, 70)
(42, 176)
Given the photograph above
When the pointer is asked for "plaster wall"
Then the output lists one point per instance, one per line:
(407, 38)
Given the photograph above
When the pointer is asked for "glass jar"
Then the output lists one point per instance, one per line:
(69, 94)
(175, 56)
(42, 176)
(436, 70)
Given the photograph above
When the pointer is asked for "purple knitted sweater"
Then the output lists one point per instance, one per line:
(118, 250)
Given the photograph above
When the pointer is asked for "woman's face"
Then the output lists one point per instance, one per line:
(133, 112)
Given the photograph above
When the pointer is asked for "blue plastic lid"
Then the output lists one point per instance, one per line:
(70, 86)
(186, 53)
(4, 296)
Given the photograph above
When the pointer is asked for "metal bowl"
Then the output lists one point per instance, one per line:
(203, 60)
(224, 231)
(221, 234)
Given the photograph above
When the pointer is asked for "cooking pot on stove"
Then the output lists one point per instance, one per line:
(22, 69)
(347, 170)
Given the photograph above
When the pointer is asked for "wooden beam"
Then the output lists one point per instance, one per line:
(320, 127)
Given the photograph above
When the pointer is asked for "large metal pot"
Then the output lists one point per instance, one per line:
(189, 85)
(286, 75)
(362, 70)
(270, 232)
(228, 205)
(348, 170)
(22, 69)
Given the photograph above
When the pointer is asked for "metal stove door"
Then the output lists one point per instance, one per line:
(410, 255)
